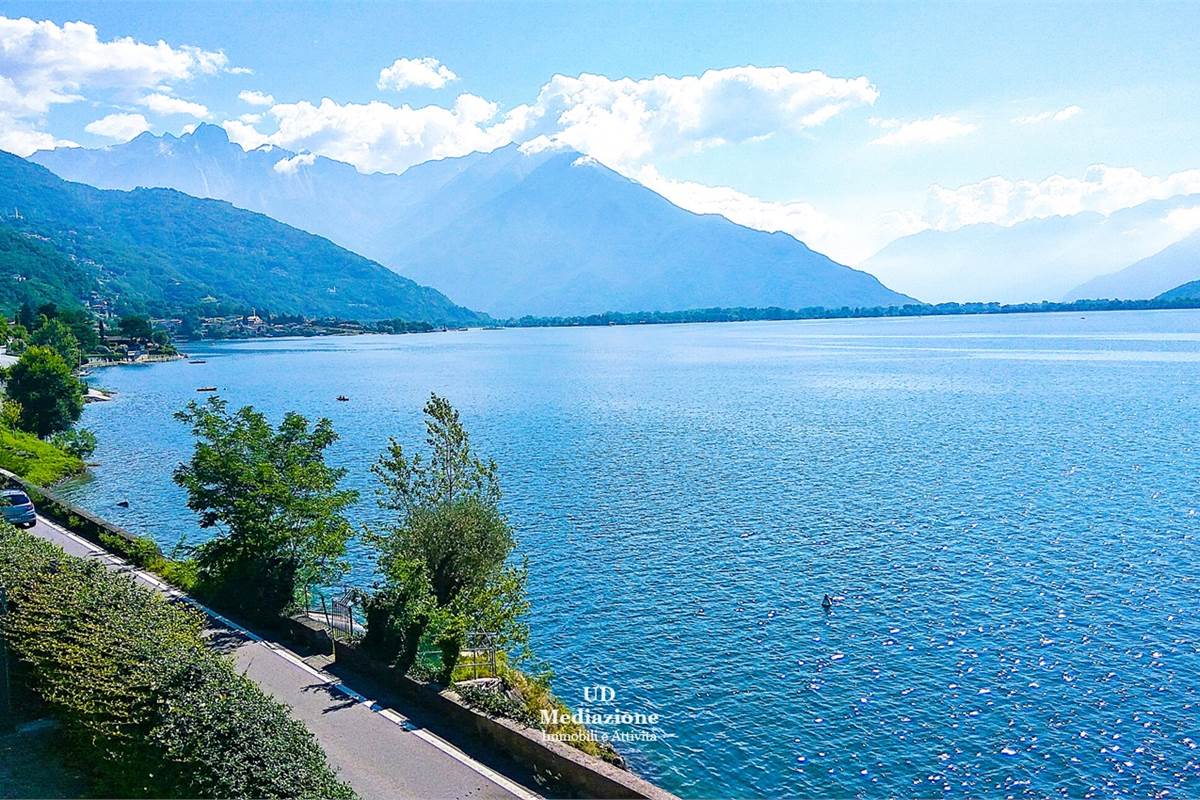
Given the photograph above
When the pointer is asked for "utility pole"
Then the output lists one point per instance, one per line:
(7, 720)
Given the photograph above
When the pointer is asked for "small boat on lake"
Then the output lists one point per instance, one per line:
(342, 398)
(198, 361)
(207, 389)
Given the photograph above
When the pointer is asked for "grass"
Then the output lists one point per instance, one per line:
(35, 460)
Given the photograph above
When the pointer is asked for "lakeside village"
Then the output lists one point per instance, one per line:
(253, 325)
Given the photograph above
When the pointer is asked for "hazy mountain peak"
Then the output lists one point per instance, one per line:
(1149, 277)
(1038, 259)
(207, 133)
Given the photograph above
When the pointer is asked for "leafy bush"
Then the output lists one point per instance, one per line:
(497, 703)
(154, 711)
(140, 551)
(177, 573)
(79, 442)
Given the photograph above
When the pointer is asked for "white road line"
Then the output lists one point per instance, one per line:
(329, 680)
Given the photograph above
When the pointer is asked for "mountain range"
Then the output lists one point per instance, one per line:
(510, 233)
(1174, 265)
(1039, 259)
(163, 251)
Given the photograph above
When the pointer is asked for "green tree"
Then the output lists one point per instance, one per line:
(136, 326)
(274, 500)
(26, 318)
(48, 310)
(445, 558)
(83, 326)
(189, 328)
(50, 395)
(56, 335)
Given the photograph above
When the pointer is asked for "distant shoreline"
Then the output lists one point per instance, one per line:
(783, 314)
(772, 314)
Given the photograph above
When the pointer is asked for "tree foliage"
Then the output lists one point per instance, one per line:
(50, 396)
(445, 557)
(78, 442)
(84, 327)
(136, 326)
(276, 504)
(57, 335)
(149, 707)
(25, 316)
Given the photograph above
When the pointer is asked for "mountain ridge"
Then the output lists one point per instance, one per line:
(440, 223)
(1038, 259)
(162, 250)
(1151, 276)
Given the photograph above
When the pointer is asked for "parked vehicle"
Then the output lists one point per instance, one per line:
(18, 508)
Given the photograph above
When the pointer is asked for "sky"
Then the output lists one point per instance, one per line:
(844, 124)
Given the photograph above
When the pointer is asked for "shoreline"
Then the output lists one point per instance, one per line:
(664, 318)
(144, 359)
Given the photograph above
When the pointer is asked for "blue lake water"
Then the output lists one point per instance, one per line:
(1006, 509)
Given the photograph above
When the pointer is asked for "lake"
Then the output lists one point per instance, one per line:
(1003, 507)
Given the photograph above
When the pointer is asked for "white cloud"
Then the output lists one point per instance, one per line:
(1001, 201)
(250, 119)
(17, 136)
(254, 98)
(405, 72)
(622, 123)
(1062, 115)
(922, 131)
(377, 136)
(287, 166)
(845, 241)
(120, 127)
(43, 64)
(626, 122)
(48, 64)
(240, 71)
(166, 105)
(1184, 220)
(798, 218)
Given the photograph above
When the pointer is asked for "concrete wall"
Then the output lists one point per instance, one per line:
(585, 775)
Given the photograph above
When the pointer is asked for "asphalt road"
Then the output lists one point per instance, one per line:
(379, 751)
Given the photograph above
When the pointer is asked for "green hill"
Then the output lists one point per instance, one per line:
(161, 252)
(33, 270)
(1188, 291)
